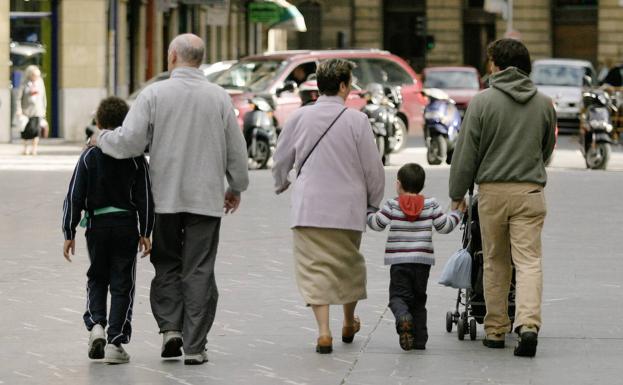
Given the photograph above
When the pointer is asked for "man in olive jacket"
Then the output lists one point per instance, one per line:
(507, 135)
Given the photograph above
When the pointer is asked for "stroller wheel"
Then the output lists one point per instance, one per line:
(460, 329)
(472, 329)
(449, 322)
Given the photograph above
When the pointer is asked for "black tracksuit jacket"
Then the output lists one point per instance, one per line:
(101, 181)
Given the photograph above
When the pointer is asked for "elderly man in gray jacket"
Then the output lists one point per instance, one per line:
(195, 144)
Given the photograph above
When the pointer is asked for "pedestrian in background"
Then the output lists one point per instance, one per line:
(340, 174)
(508, 134)
(116, 198)
(409, 250)
(32, 103)
(195, 143)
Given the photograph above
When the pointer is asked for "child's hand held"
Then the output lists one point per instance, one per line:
(144, 245)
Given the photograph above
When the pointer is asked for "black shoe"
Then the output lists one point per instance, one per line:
(493, 344)
(404, 327)
(419, 347)
(527, 344)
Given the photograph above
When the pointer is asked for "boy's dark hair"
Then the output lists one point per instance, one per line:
(111, 112)
(331, 73)
(411, 177)
(510, 53)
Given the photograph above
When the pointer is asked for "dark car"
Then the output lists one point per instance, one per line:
(277, 76)
(460, 83)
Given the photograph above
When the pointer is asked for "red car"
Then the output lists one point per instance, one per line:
(278, 75)
(460, 83)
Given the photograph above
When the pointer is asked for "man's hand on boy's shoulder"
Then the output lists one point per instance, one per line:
(144, 245)
(69, 246)
(92, 142)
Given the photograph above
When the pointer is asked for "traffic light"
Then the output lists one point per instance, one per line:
(420, 26)
(430, 42)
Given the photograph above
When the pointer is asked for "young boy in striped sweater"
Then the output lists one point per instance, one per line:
(409, 250)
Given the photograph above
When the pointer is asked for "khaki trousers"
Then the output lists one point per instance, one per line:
(511, 220)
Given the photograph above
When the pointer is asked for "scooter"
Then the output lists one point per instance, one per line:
(596, 130)
(382, 110)
(260, 132)
(442, 122)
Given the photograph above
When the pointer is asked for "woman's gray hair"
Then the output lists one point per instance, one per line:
(331, 73)
(189, 48)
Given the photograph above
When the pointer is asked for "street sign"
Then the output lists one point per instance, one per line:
(264, 12)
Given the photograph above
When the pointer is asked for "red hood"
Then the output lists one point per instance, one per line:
(411, 205)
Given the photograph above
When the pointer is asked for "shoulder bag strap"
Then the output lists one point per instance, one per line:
(299, 168)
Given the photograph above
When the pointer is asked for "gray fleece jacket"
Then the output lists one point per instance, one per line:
(194, 139)
(507, 135)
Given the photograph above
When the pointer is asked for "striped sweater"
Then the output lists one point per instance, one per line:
(412, 241)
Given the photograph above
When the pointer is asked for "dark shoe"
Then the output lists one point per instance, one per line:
(324, 345)
(419, 347)
(528, 340)
(404, 327)
(494, 341)
(348, 332)
(171, 344)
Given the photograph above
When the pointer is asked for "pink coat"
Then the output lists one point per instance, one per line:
(342, 177)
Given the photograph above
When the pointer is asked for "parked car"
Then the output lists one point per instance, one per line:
(562, 80)
(460, 83)
(214, 70)
(280, 73)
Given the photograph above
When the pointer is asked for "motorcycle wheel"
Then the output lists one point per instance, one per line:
(437, 150)
(400, 135)
(597, 157)
(262, 155)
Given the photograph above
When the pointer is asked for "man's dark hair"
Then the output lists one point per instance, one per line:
(510, 53)
(331, 73)
(111, 112)
(411, 177)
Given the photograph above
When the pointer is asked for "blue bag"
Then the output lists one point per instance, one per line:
(457, 272)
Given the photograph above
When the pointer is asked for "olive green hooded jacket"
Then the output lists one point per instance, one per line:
(507, 134)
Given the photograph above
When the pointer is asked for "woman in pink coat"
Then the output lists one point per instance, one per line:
(340, 175)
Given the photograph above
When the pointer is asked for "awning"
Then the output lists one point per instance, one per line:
(277, 14)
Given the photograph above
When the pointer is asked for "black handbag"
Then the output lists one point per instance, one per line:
(32, 128)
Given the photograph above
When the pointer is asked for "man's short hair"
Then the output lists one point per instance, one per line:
(331, 73)
(411, 177)
(111, 112)
(510, 53)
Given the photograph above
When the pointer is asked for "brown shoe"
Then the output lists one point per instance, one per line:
(348, 332)
(324, 345)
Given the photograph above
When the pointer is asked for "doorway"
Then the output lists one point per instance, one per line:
(34, 41)
(405, 35)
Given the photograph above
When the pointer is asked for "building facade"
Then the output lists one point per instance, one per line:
(92, 48)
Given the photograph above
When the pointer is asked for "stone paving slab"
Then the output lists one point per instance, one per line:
(264, 334)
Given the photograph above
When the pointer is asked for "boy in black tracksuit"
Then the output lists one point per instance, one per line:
(119, 217)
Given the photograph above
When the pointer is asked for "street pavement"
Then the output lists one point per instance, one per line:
(263, 332)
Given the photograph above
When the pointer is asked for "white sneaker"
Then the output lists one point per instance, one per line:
(97, 341)
(116, 355)
(196, 359)
(171, 344)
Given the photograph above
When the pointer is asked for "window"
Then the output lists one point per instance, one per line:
(388, 72)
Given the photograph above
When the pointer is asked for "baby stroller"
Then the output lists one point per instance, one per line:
(472, 301)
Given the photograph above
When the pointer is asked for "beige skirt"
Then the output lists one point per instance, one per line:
(329, 268)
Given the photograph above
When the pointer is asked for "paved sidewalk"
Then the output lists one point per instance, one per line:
(263, 332)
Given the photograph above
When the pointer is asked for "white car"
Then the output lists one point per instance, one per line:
(563, 81)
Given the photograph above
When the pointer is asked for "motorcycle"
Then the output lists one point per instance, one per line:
(596, 128)
(442, 122)
(260, 132)
(381, 107)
